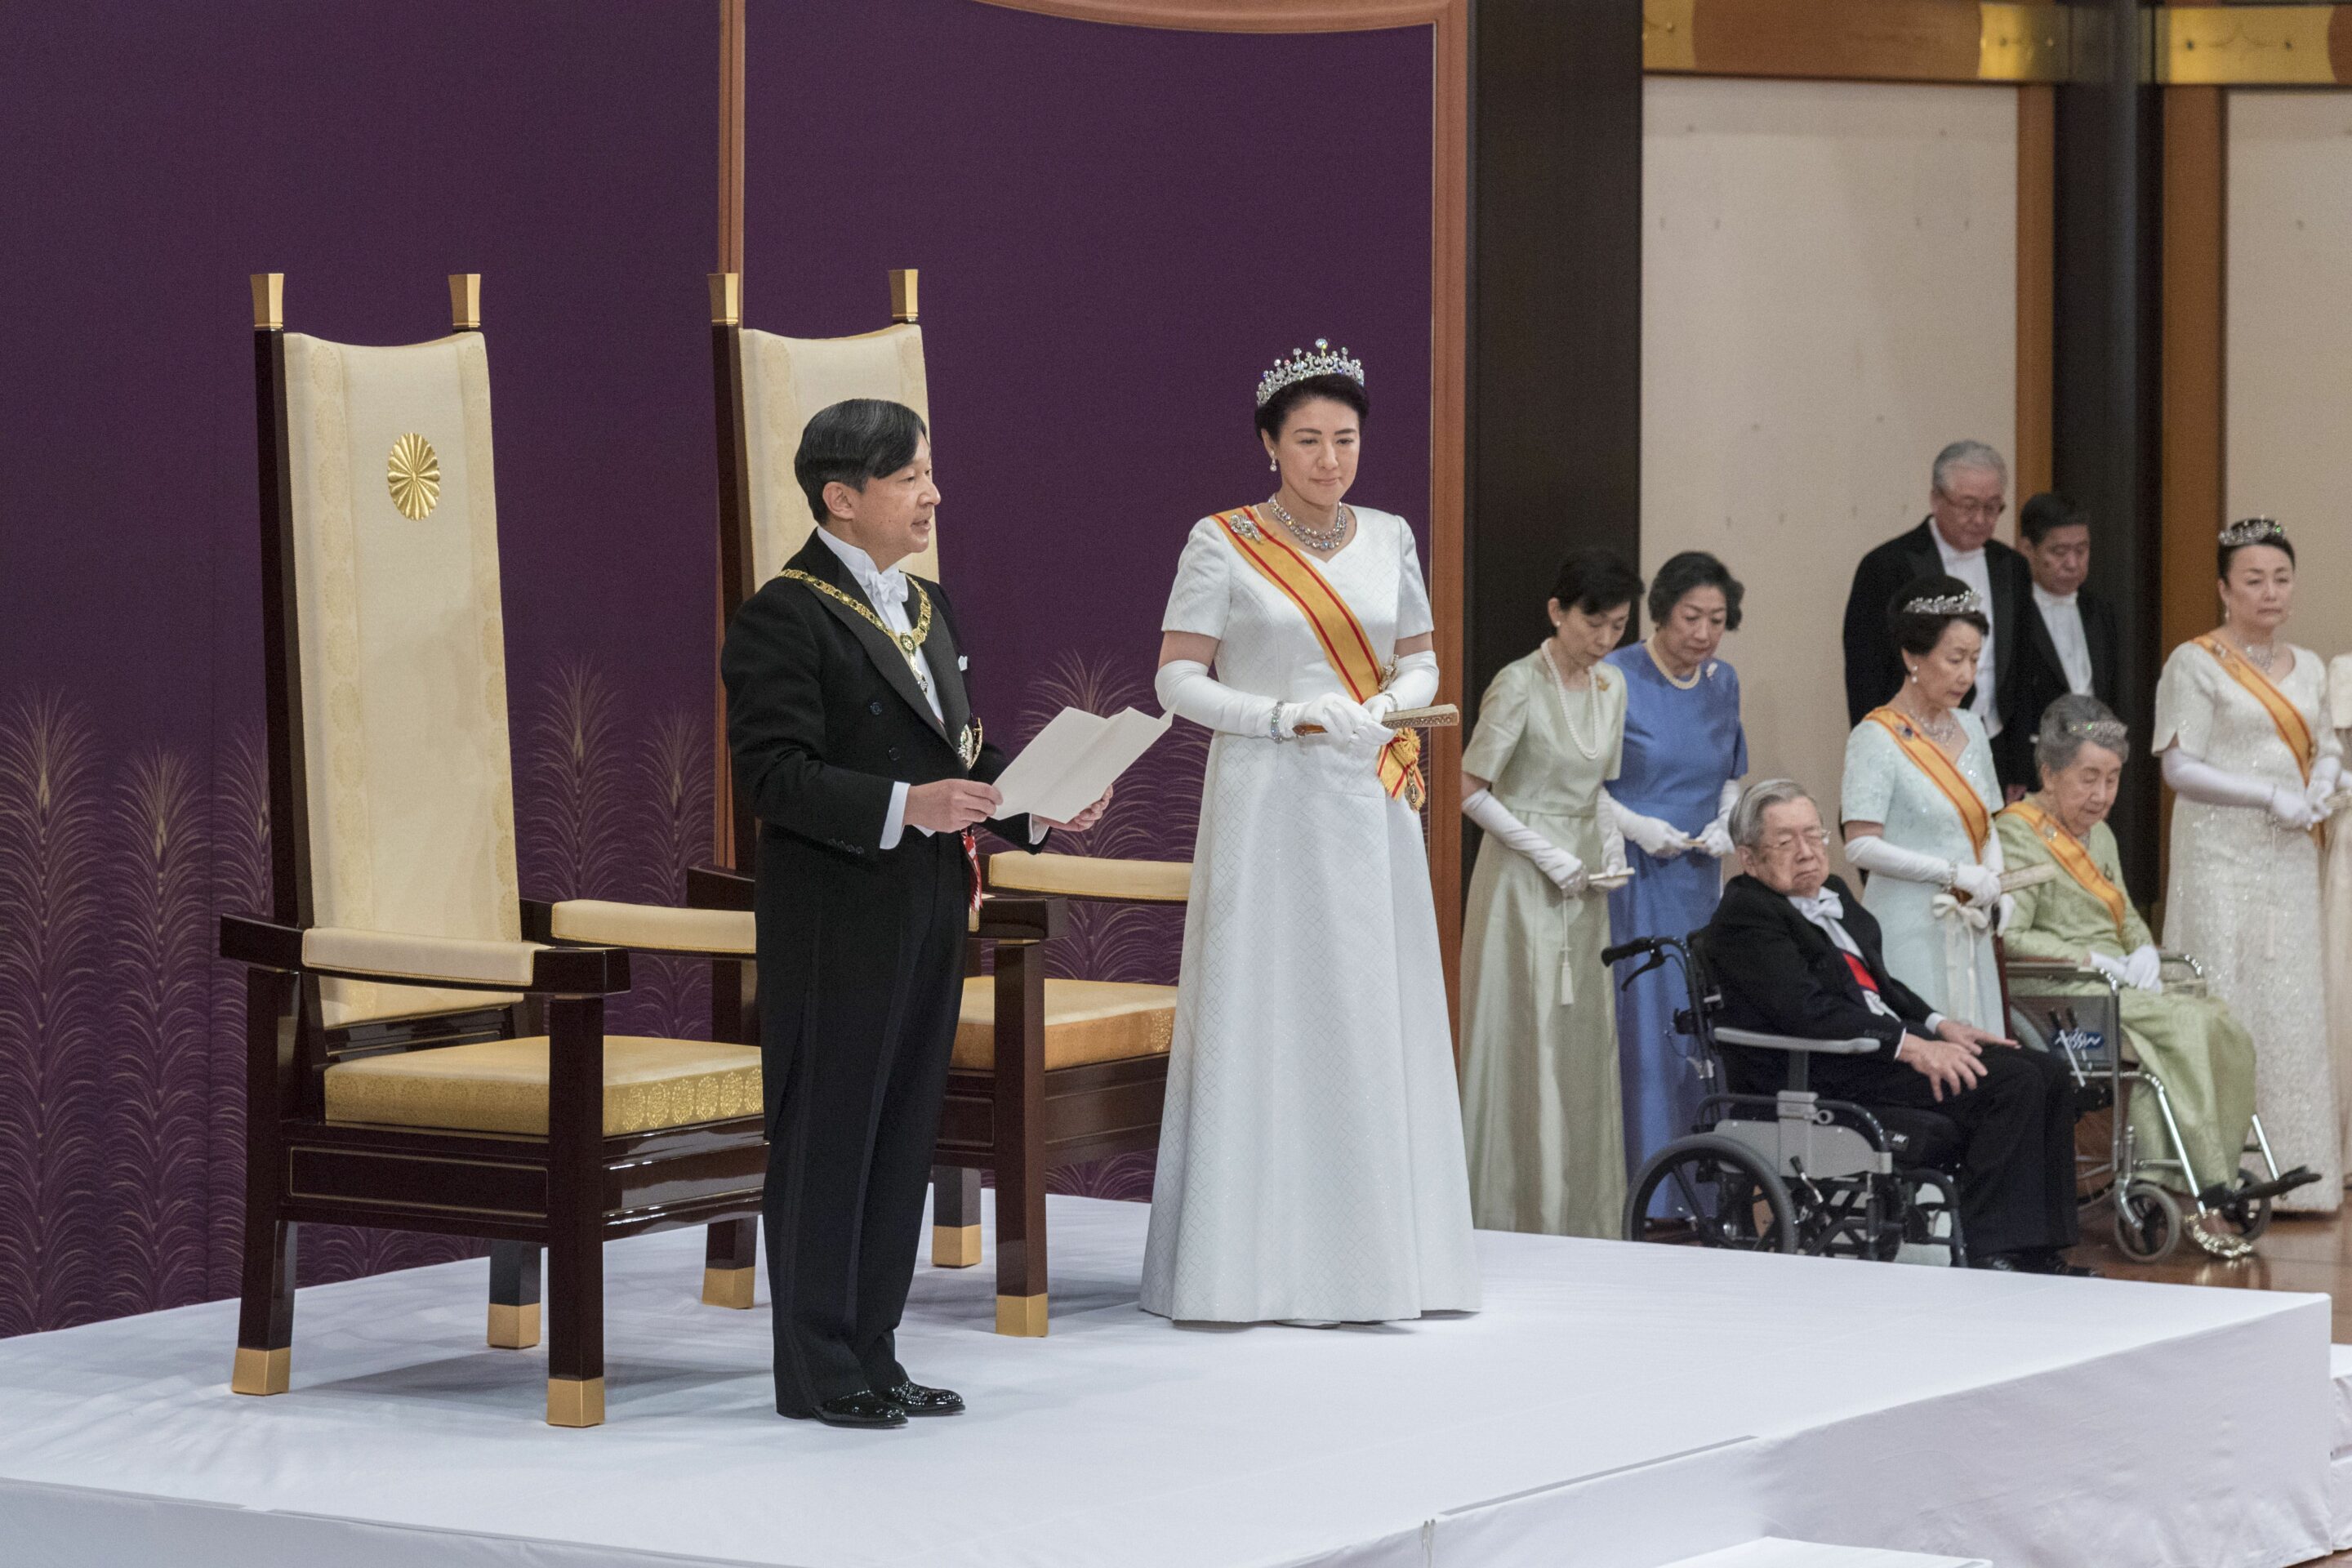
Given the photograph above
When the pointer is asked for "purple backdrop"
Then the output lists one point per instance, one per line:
(162, 152)
(1117, 229)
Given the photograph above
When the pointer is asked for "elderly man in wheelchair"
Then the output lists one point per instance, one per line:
(1809, 1022)
(2088, 983)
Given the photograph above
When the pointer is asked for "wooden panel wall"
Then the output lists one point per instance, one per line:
(1829, 297)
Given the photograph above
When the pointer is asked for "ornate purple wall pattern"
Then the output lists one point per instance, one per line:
(1073, 194)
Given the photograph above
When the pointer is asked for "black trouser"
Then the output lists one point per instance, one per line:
(2017, 1175)
(850, 1157)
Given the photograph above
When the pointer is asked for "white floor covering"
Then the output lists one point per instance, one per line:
(1615, 1407)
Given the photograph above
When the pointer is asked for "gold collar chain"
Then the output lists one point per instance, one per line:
(909, 642)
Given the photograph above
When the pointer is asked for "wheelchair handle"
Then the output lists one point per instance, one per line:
(1636, 948)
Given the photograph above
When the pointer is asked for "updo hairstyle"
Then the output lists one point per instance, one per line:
(2073, 721)
(1276, 411)
(1916, 632)
(1596, 582)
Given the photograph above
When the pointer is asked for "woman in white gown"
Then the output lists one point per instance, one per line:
(1310, 1155)
(2242, 724)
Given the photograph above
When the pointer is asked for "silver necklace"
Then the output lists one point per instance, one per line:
(1944, 731)
(2262, 654)
(1589, 750)
(1332, 539)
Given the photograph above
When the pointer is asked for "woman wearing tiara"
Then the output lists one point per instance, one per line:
(1310, 1153)
(1918, 802)
(2242, 724)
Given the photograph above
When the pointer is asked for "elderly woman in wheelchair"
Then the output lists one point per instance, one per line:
(2084, 970)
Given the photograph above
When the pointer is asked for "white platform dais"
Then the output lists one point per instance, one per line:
(1615, 1407)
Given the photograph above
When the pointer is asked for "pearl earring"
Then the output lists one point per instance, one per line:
(1915, 677)
(1272, 467)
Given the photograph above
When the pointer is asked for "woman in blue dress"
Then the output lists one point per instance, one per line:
(1685, 754)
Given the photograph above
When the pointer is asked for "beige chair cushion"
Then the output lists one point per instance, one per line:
(653, 927)
(1086, 1020)
(403, 652)
(786, 380)
(1090, 876)
(501, 1086)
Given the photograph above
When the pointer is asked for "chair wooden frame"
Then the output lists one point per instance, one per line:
(1019, 1117)
(569, 1191)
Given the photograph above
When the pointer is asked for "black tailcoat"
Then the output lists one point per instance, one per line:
(1873, 670)
(860, 955)
(2039, 679)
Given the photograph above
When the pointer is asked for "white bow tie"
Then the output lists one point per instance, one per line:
(1823, 905)
(887, 589)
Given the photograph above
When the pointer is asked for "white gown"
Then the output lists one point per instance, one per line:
(1310, 1155)
(2242, 898)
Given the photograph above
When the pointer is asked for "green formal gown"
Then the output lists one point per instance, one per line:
(2204, 1056)
(1540, 1110)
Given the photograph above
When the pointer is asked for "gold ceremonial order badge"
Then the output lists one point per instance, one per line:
(967, 743)
(413, 473)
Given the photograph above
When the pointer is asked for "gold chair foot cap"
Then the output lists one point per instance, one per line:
(955, 1246)
(513, 1328)
(262, 1371)
(575, 1401)
(728, 1287)
(1023, 1316)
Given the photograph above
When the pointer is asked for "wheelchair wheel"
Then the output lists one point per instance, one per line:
(2147, 1222)
(1732, 1198)
(2256, 1215)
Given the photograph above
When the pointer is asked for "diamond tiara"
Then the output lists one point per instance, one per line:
(1970, 603)
(2107, 733)
(1302, 365)
(2253, 531)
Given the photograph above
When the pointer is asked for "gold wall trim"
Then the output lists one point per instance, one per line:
(2247, 45)
(2024, 43)
(1666, 43)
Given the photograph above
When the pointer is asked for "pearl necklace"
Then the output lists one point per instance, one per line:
(1649, 645)
(1331, 539)
(1590, 750)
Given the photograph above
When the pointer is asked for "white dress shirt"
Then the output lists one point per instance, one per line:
(2063, 617)
(1969, 567)
(887, 591)
(1827, 910)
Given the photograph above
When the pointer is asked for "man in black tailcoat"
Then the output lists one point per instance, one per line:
(855, 741)
(1795, 954)
(1968, 490)
(2068, 641)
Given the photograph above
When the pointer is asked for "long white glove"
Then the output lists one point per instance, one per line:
(1566, 871)
(2143, 967)
(1414, 685)
(2326, 775)
(1715, 838)
(2114, 969)
(1981, 884)
(1613, 835)
(1341, 718)
(1186, 689)
(1660, 840)
(2199, 779)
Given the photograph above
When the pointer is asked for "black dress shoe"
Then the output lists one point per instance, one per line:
(2000, 1262)
(864, 1408)
(917, 1400)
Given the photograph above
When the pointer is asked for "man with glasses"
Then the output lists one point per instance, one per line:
(1967, 493)
(2067, 644)
(1793, 952)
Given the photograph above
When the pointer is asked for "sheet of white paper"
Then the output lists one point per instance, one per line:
(1073, 759)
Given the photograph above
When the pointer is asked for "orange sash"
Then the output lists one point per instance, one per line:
(2283, 714)
(2073, 857)
(1344, 641)
(1929, 758)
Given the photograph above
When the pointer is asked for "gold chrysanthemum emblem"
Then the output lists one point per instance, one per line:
(413, 474)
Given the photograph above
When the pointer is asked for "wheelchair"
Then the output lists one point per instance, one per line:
(2075, 1012)
(1790, 1171)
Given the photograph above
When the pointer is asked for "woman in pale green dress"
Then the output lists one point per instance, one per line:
(1539, 1094)
(2084, 915)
